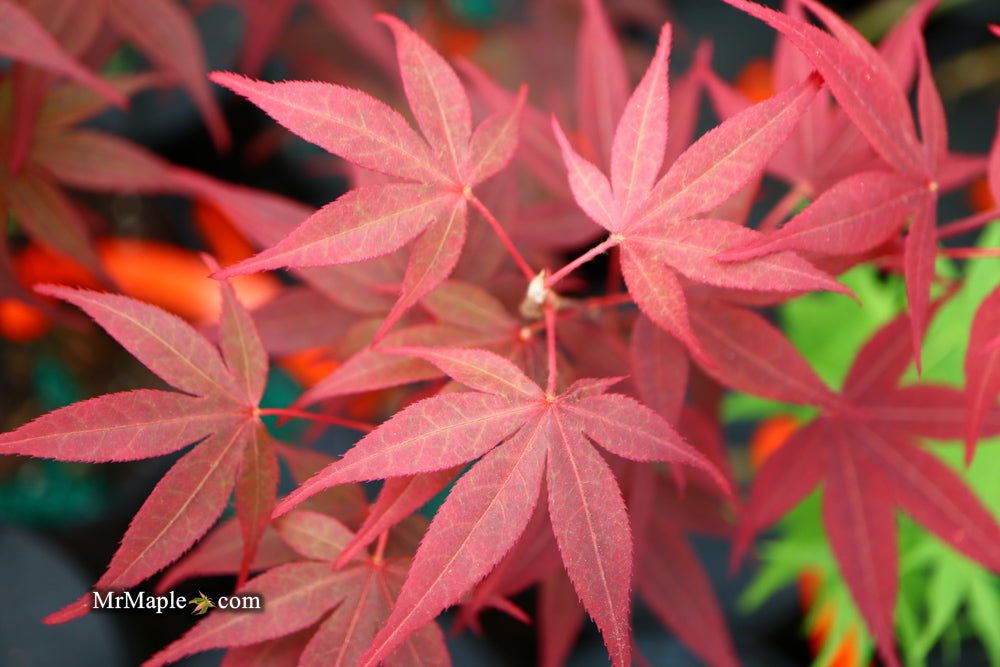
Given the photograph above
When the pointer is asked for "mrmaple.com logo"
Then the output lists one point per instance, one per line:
(127, 600)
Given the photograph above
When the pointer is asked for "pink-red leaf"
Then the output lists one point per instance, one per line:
(432, 259)
(602, 80)
(478, 369)
(313, 535)
(591, 526)
(659, 369)
(94, 160)
(659, 295)
(856, 215)
(297, 595)
(363, 223)
(930, 110)
(752, 355)
(590, 186)
(242, 350)
(220, 553)
(436, 433)
(629, 429)
(868, 93)
(346, 122)
(560, 619)
(681, 595)
(280, 652)
(399, 498)
(725, 159)
(165, 33)
(436, 96)
(256, 491)
(118, 427)
(881, 361)
(928, 411)
(23, 38)
(641, 136)
(164, 343)
(691, 247)
(788, 475)
(479, 522)
(182, 507)
(492, 145)
(47, 214)
(861, 527)
(467, 305)
(936, 497)
(982, 367)
(919, 255)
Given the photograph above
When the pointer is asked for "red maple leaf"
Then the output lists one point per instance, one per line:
(870, 462)
(656, 221)
(218, 410)
(491, 504)
(438, 169)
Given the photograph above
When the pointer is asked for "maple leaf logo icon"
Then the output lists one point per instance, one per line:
(202, 604)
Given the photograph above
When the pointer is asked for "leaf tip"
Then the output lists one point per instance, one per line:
(394, 23)
(49, 289)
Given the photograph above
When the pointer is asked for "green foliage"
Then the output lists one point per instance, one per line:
(944, 597)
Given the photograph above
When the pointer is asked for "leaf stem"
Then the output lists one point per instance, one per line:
(967, 224)
(578, 307)
(550, 340)
(969, 253)
(608, 243)
(784, 206)
(502, 233)
(380, 546)
(326, 419)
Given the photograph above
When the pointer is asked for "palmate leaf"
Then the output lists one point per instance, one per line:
(217, 412)
(315, 613)
(868, 86)
(656, 223)
(441, 167)
(870, 464)
(492, 503)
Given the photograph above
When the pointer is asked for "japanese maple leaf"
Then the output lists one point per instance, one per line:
(159, 29)
(656, 222)
(315, 614)
(825, 147)
(492, 503)
(221, 388)
(982, 368)
(438, 169)
(661, 511)
(602, 81)
(24, 39)
(670, 577)
(870, 463)
(63, 155)
(866, 209)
